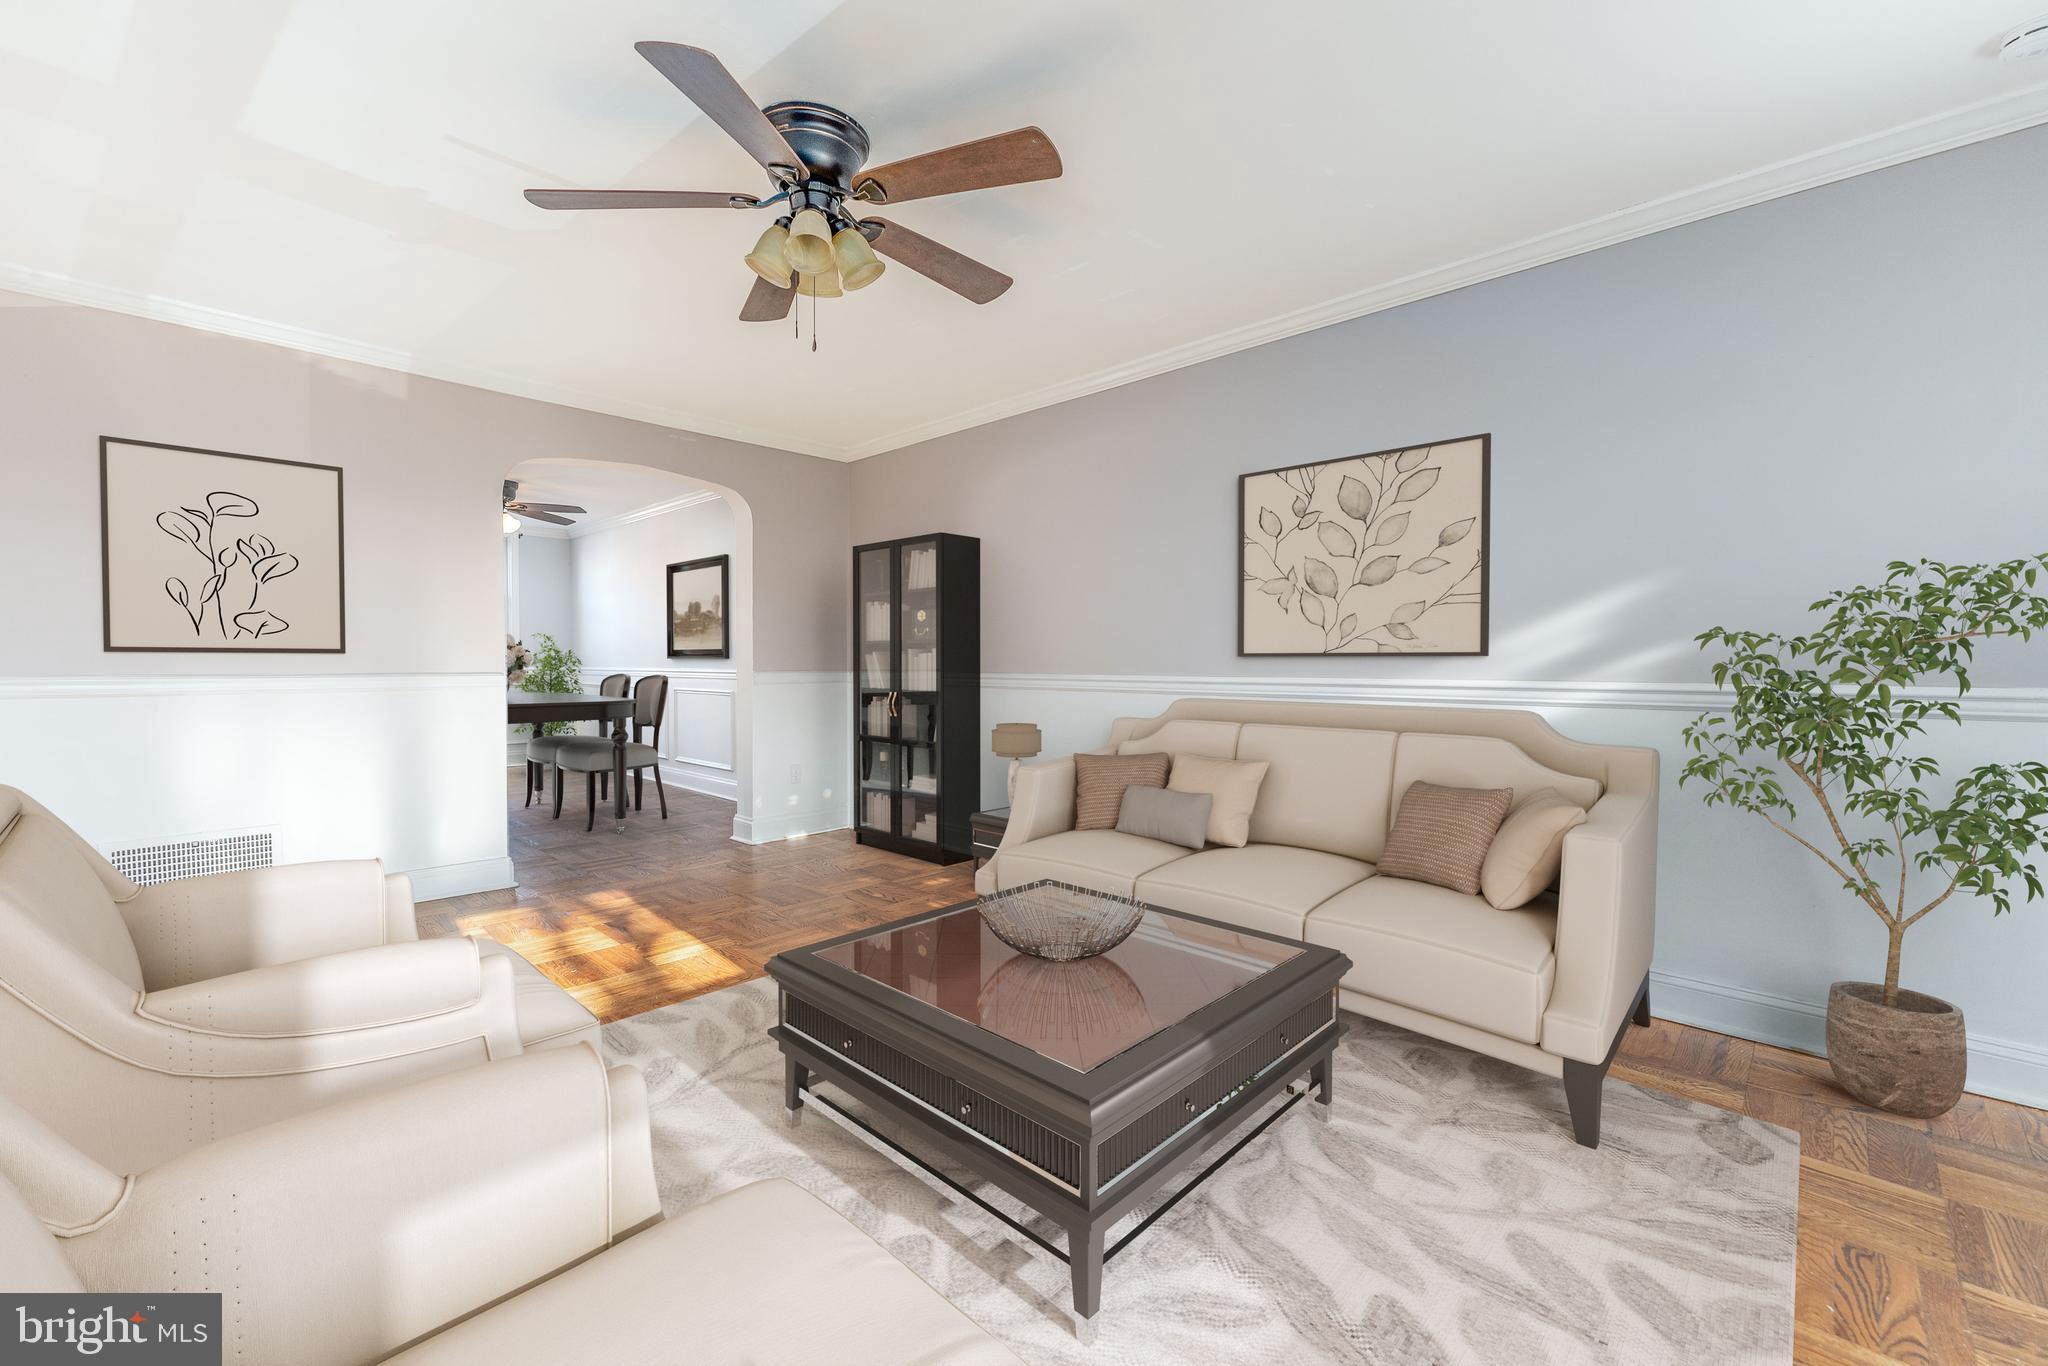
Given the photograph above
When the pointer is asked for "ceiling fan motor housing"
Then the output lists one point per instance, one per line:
(831, 142)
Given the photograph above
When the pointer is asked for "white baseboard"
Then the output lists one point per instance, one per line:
(1998, 1067)
(460, 879)
(692, 777)
(790, 825)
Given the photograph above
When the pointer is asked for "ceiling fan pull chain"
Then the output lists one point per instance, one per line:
(814, 324)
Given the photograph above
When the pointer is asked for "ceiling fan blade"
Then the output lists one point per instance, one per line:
(963, 275)
(712, 89)
(765, 303)
(524, 506)
(639, 199)
(1005, 159)
(541, 517)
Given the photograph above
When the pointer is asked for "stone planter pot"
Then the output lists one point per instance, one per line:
(1909, 1058)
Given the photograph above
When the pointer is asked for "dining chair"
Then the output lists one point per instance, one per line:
(540, 750)
(592, 755)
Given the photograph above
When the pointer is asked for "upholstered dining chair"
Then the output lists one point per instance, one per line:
(540, 750)
(592, 755)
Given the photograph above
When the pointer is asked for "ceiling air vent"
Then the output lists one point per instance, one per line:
(149, 863)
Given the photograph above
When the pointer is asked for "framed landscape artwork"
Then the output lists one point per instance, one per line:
(1384, 553)
(214, 552)
(697, 593)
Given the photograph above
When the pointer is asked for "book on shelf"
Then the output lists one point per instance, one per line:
(921, 567)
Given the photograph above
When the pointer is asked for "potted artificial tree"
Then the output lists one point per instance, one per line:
(1823, 720)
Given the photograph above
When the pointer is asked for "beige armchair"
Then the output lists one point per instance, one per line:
(347, 1234)
(144, 1021)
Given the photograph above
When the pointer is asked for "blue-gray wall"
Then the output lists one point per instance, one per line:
(1713, 424)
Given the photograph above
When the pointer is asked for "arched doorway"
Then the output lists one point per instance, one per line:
(598, 587)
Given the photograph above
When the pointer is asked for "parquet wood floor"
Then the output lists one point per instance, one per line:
(1919, 1240)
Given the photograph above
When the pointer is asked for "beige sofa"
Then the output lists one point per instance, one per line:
(141, 1021)
(524, 1189)
(1550, 986)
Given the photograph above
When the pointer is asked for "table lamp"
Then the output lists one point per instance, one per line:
(1015, 740)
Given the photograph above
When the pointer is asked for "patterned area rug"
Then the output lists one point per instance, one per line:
(1442, 1215)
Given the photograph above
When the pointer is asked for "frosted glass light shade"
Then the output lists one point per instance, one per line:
(809, 248)
(511, 524)
(857, 264)
(769, 258)
(823, 285)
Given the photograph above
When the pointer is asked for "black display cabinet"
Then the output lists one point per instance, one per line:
(917, 695)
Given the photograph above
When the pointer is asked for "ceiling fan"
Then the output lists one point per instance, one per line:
(816, 157)
(537, 512)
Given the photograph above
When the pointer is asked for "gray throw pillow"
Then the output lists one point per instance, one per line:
(1157, 814)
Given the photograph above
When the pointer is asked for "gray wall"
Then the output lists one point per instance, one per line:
(422, 461)
(1712, 424)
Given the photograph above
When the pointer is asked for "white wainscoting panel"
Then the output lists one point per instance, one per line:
(398, 767)
(1750, 928)
(696, 741)
(803, 756)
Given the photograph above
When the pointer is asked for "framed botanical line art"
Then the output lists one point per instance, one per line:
(698, 591)
(213, 552)
(1382, 553)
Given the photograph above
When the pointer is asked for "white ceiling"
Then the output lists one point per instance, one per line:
(345, 175)
(609, 494)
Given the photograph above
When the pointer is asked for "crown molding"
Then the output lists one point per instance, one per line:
(577, 532)
(1906, 142)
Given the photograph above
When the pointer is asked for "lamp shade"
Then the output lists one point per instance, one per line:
(809, 248)
(769, 259)
(857, 263)
(1015, 739)
(824, 285)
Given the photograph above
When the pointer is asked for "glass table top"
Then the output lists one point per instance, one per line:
(1079, 1014)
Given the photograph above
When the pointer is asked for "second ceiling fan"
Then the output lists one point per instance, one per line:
(816, 156)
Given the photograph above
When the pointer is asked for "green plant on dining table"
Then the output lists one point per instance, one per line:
(1830, 714)
(555, 668)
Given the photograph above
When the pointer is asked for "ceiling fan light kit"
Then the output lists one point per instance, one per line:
(770, 257)
(816, 156)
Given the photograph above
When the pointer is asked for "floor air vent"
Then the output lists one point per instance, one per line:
(149, 863)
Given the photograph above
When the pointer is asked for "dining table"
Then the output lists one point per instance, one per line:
(534, 708)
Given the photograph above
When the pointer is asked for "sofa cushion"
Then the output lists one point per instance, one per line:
(1216, 739)
(1104, 860)
(1443, 833)
(1233, 788)
(1268, 887)
(45, 876)
(1100, 780)
(1177, 817)
(1480, 761)
(1328, 788)
(1526, 854)
(1439, 951)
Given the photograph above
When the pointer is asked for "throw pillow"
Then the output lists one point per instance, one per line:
(1233, 786)
(1176, 817)
(1442, 833)
(1525, 855)
(1100, 780)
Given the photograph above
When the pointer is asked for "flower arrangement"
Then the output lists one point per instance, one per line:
(518, 659)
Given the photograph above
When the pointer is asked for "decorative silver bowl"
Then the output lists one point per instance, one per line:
(1059, 921)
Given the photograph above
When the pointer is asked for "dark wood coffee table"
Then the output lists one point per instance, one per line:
(1079, 1088)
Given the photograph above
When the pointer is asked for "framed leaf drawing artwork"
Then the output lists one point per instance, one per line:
(1375, 554)
(212, 552)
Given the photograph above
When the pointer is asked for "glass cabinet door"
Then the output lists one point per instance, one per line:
(917, 713)
(877, 621)
(876, 795)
